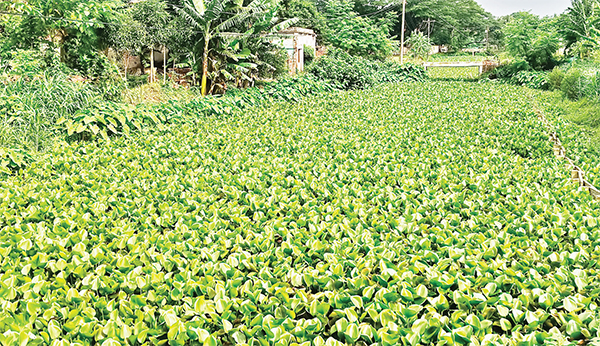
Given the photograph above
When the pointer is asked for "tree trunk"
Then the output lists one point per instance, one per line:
(205, 65)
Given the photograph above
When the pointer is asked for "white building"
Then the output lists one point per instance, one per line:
(294, 40)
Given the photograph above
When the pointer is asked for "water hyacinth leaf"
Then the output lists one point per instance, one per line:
(54, 329)
(351, 333)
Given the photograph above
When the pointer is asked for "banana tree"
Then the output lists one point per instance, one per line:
(212, 17)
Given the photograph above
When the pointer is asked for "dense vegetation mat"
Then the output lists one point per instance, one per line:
(577, 140)
(424, 213)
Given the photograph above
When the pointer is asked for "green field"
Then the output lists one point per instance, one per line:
(426, 213)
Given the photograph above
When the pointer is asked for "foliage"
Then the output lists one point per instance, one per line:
(291, 89)
(459, 23)
(110, 119)
(309, 55)
(13, 160)
(577, 123)
(585, 112)
(555, 78)
(357, 35)
(31, 63)
(510, 69)
(419, 44)
(533, 39)
(351, 72)
(307, 14)
(433, 214)
(213, 17)
(577, 26)
(532, 79)
(30, 106)
(571, 84)
(73, 27)
(251, 55)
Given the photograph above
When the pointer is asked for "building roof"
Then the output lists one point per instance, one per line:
(297, 30)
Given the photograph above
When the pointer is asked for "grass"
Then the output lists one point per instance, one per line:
(578, 124)
(157, 93)
(30, 107)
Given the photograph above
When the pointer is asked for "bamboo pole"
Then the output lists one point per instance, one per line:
(152, 65)
(402, 32)
(164, 65)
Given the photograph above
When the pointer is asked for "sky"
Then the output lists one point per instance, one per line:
(540, 7)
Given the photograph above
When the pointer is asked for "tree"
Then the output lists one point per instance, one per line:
(306, 12)
(74, 27)
(244, 56)
(533, 39)
(577, 26)
(212, 17)
(419, 44)
(357, 35)
(458, 23)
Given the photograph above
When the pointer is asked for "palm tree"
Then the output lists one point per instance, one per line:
(214, 16)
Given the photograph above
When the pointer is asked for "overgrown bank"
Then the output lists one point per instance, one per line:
(40, 103)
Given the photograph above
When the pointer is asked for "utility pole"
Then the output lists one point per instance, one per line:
(487, 38)
(402, 34)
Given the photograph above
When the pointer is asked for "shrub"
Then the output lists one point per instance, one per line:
(309, 55)
(571, 84)
(351, 72)
(343, 70)
(420, 45)
(555, 78)
(509, 70)
(358, 35)
(271, 60)
(531, 79)
(591, 86)
(111, 118)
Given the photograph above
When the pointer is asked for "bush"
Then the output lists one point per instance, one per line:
(532, 79)
(509, 70)
(420, 45)
(555, 78)
(309, 55)
(351, 72)
(571, 84)
(271, 60)
(358, 35)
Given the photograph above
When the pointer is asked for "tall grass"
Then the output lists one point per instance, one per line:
(30, 107)
(157, 93)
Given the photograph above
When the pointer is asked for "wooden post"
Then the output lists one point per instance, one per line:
(151, 65)
(295, 56)
(126, 58)
(402, 32)
(164, 65)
